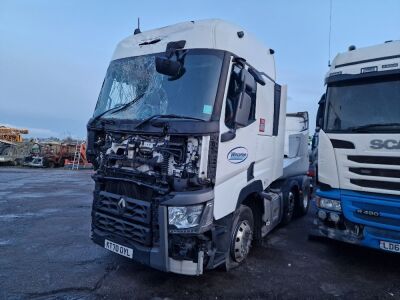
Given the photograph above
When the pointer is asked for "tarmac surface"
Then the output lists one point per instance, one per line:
(46, 253)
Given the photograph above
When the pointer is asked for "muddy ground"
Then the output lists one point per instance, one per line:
(46, 253)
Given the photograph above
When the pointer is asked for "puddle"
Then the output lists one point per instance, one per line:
(43, 212)
(5, 242)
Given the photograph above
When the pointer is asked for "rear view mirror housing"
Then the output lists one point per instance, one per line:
(168, 67)
(244, 105)
(243, 110)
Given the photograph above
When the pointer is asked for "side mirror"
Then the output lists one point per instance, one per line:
(243, 110)
(168, 67)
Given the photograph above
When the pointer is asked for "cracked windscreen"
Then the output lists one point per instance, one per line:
(134, 90)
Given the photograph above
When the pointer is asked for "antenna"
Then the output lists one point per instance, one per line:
(330, 33)
(137, 30)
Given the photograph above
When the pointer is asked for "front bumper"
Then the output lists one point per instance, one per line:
(352, 227)
(368, 236)
(162, 254)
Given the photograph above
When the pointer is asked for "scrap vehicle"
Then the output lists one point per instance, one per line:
(51, 154)
(13, 135)
(358, 196)
(14, 153)
(13, 148)
(188, 143)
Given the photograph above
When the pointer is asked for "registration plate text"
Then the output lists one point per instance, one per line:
(117, 248)
(388, 246)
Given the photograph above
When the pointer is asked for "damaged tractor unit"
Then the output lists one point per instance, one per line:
(187, 140)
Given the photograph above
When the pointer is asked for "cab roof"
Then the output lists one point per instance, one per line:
(384, 57)
(204, 34)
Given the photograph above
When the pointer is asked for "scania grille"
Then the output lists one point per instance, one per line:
(375, 174)
(377, 160)
(382, 185)
(124, 229)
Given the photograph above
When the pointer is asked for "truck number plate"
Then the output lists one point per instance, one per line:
(121, 250)
(388, 246)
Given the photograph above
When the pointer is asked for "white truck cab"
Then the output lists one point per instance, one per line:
(359, 149)
(188, 142)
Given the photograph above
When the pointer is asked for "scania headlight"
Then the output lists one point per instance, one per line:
(330, 204)
(183, 217)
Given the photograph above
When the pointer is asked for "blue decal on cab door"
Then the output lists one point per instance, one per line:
(237, 155)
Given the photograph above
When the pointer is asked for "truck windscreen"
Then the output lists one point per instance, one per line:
(371, 106)
(134, 90)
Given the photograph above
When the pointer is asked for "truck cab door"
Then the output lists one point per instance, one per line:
(237, 147)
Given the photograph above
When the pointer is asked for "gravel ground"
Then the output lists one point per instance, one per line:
(46, 253)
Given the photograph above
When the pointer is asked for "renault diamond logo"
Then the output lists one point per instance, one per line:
(121, 206)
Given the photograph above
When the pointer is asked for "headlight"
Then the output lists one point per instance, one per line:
(329, 204)
(185, 217)
(190, 216)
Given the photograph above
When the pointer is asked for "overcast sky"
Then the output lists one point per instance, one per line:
(54, 54)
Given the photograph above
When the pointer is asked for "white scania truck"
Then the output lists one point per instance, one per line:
(187, 139)
(358, 197)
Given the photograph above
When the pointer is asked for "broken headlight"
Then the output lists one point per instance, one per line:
(193, 216)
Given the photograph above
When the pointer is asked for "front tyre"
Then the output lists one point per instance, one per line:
(241, 237)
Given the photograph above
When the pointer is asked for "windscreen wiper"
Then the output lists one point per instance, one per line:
(170, 116)
(118, 108)
(369, 126)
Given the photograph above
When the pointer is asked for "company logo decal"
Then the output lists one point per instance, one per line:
(388, 144)
(237, 155)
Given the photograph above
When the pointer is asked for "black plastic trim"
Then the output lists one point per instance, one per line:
(377, 160)
(349, 77)
(190, 198)
(374, 184)
(176, 127)
(367, 60)
(324, 186)
(254, 187)
(376, 172)
(277, 108)
(250, 171)
(340, 144)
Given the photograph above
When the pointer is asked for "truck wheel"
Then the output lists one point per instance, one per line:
(289, 202)
(304, 200)
(241, 237)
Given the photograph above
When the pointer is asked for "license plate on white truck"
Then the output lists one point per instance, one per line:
(119, 249)
(388, 246)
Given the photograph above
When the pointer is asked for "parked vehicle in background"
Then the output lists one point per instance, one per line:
(54, 154)
(13, 149)
(188, 142)
(358, 196)
(14, 153)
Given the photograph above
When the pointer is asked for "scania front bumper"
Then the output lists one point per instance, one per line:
(364, 219)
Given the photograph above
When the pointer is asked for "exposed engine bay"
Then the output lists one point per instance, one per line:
(172, 163)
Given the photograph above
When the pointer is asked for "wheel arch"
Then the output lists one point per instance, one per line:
(248, 196)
